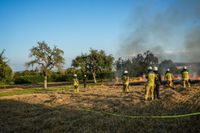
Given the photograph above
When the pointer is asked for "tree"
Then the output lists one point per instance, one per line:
(81, 62)
(150, 59)
(94, 62)
(167, 64)
(6, 73)
(138, 64)
(45, 59)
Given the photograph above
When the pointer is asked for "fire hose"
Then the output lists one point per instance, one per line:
(142, 116)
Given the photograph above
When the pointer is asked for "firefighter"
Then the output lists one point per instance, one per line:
(185, 77)
(157, 83)
(149, 69)
(150, 84)
(84, 80)
(76, 84)
(125, 79)
(169, 78)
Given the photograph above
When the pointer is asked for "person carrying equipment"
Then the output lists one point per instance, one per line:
(76, 84)
(125, 80)
(150, 84)
(157, 83)
(185, 77)
(169, 78)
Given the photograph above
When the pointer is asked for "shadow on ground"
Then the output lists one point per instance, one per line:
(16, 116)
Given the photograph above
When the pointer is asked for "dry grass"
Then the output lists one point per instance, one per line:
(58, 111)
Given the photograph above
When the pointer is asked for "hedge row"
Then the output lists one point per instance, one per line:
(56, 77)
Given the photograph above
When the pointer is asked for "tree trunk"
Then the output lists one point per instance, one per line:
(45, 81)
(94, 77)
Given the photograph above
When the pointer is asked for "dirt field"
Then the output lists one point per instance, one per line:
(64, 111)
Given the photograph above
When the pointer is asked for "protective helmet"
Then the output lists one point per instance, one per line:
(125, 72)
(185, 68)
(150, 68)
(75, 75)
(168, 69)
(155, 68)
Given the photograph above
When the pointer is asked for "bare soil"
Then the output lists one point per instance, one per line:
(62, 111)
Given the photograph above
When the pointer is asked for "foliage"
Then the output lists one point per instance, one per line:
(57, 77)
(167, 64)
(137, 65)
(32, 79)
(105, 75)
(45, 59)
(94, 62)
(6, 73)
(28, 77)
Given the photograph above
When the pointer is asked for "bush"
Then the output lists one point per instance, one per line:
(105, 75)
(29, 79)
(57, 77)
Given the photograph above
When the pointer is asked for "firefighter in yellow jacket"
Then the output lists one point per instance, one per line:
(185, 77)
(169, 78)
(125, 80)
(151, 77)
(76, 84)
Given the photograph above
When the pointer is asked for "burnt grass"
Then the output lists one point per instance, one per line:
(60, 111)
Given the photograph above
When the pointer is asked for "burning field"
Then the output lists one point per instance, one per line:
(101, 109)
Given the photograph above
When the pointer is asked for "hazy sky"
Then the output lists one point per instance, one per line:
(75, 26)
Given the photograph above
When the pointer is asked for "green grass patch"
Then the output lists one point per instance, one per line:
(33, 91)
(5, 85)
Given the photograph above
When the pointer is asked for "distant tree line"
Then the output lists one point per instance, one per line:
(47, 66)
(137, 65)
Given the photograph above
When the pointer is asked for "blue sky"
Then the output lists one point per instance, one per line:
(75, 26)
(72, 25)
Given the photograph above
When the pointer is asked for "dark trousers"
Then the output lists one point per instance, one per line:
(84, 82)
(156, 91)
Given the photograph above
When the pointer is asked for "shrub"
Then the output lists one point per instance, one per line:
(29, 79)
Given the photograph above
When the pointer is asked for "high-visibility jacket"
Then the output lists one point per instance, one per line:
(169, 76)
(76, 83)
(125, 80)
(185, 75)
(151, 78)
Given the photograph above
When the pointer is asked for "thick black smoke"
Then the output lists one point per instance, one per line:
(171, 31)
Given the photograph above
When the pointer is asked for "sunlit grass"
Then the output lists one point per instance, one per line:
(34, 90)
(16, 91)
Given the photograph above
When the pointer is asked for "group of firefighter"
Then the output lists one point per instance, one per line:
(153, 84)
(154, 81)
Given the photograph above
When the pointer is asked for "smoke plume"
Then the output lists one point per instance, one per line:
(170, 29)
